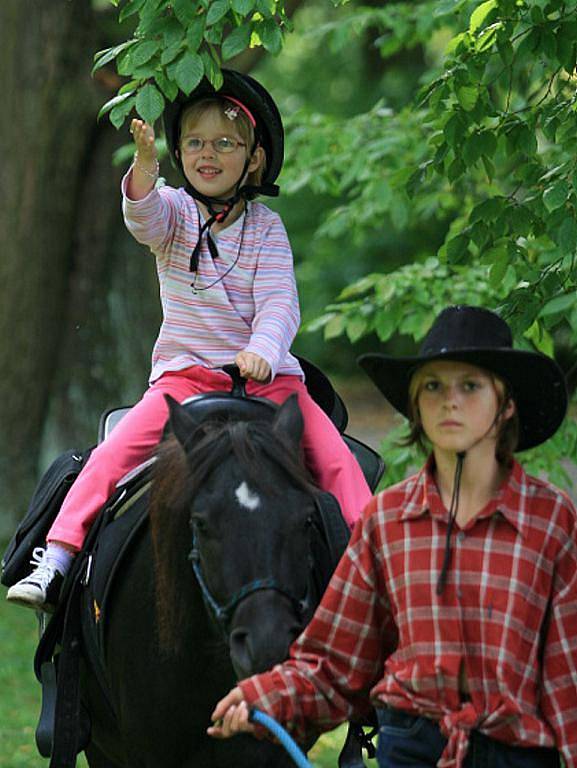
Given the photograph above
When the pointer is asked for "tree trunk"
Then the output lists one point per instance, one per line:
(47, 109)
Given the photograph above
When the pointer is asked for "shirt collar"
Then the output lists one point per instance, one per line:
(508, 501)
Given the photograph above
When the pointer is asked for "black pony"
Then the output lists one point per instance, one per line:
(216, 588)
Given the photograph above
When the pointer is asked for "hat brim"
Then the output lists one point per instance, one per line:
(536, 381)
(257, 100)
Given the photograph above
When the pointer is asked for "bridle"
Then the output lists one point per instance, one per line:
(223, 613)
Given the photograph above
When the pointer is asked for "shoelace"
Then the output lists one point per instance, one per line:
(44, 572)
(37, 555)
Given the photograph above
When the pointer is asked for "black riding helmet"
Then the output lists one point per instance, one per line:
(269, 131)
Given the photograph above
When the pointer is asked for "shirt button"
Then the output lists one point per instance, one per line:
(459, 593)
(461, 536)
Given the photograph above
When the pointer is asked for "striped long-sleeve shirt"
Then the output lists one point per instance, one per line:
(507, 619)
(246, 299)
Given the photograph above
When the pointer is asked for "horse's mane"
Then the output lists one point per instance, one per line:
(178, 476)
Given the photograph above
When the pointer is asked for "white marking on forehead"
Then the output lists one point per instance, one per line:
(247, 498)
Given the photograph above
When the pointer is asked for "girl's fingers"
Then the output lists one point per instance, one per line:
(143, 133)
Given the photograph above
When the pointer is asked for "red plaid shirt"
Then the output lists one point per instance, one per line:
(508, 613)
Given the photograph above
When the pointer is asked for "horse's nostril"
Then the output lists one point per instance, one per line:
(241, 653)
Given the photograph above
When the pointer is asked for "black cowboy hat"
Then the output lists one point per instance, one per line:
(269, 129)
(480, 337)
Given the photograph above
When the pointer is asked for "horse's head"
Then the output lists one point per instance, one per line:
(249, 505)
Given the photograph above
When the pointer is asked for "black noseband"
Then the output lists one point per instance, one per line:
(223, 613)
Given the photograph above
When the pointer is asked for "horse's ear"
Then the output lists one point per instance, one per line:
(181, 423)
(288, 421)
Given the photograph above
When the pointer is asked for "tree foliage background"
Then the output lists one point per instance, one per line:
(484, 143)
(430, 160)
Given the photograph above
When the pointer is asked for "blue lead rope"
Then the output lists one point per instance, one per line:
(299, 758)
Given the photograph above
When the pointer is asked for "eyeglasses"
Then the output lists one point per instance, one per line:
(192, 145)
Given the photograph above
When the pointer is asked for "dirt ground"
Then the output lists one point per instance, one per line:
(370, 416)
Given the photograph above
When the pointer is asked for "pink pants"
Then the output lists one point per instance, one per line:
(134, 438)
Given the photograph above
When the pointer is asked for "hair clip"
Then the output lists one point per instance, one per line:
(232, 112)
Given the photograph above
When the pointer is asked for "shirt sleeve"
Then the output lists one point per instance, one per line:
(339, 657)
(151, 220)
(559, 697)
(277, 314)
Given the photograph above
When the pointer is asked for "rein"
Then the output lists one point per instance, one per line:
(297, 755)
(223, 613)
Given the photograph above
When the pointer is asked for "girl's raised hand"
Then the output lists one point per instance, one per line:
(143, 135)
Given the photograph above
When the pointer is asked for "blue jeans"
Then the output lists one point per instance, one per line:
(410, 741)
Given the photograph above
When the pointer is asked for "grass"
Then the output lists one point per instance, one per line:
(20, 693)
(20, 697)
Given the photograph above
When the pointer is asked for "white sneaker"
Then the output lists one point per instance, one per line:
(40, 589)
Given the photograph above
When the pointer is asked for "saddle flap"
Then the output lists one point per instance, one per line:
(43, 508)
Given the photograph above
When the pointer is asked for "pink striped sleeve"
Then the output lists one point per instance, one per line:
(277, 313)
(151, 220)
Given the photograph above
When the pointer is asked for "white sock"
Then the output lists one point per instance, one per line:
(58, 556)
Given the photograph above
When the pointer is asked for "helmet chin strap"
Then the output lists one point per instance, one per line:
(219, 209)
(454, 506)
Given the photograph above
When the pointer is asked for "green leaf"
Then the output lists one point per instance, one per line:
(266, 7)
(119, 113)
(244, 7)
(185, 11)
(335, 327)
(168, 87)
(497, 272)
(559, 304)
(520, 220)
(556, 195)
(480, 14)
(212, 70)
(129, 8)
(488, 210)
(170, 53)
(487, 37)
(540, 338)
(506, 52)
(189, 72)
(217, 11)
(481, 143)
(567, 235)
(237, 42)
(455, 130)
(143, 52)
(467, 96)
(118, 99)
(195, 34)
(108, 54)
(271, 36)
(172, 31)
(149, 103)
(457, 248)
(213, 35)
(356, 327)
(385, 324)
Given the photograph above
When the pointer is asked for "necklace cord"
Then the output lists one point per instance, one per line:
(452, 517)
